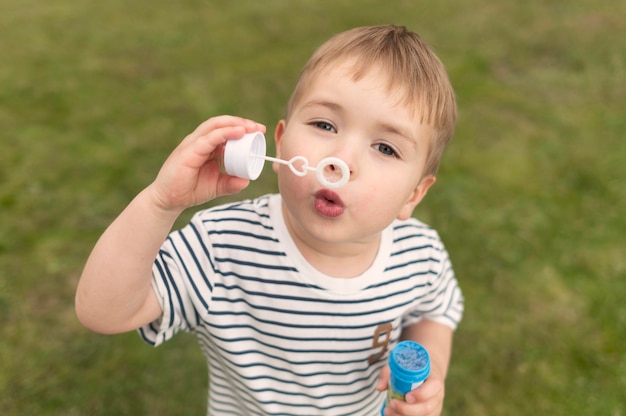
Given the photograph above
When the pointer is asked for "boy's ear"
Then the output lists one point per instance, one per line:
(416, 197)
(278, 136)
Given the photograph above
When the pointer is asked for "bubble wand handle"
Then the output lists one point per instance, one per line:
(291, 163)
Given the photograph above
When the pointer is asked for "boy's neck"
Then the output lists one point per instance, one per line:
(341, 265)
(337, 260)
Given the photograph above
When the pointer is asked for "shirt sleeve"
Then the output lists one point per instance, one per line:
(171, 282)
(444, 301)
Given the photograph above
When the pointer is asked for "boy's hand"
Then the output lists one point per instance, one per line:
(191, 175)
(426, 400)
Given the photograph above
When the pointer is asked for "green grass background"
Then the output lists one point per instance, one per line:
(530, 200)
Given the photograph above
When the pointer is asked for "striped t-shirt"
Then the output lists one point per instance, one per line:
(280, 337)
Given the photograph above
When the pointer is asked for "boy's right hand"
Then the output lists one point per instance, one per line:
(191, 175)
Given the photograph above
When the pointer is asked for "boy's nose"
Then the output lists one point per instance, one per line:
(349, 154)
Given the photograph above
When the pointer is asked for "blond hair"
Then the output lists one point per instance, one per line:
(413, 70)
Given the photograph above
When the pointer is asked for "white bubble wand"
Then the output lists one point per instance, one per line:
(245, 158)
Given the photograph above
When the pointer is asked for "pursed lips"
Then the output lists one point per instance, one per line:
(328, 203)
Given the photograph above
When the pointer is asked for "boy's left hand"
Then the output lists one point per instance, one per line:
(426, 400)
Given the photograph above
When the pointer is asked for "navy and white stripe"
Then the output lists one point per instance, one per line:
(281, 338)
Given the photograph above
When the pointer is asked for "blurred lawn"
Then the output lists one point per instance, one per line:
(530, 198)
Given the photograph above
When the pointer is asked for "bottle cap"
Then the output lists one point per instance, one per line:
(239, 156)
(410, 365)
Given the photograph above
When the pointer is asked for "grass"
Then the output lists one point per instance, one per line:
(530, 197)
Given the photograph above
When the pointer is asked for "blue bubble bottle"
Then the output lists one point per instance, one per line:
(410, 366)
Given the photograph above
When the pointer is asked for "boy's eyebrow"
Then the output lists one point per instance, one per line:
(400, 132)
(405, 134)
(323, 103)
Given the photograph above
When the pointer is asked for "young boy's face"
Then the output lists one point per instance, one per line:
(383, 144)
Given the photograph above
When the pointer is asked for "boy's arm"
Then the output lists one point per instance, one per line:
(426, 400)
(115, 293)
(437, 339)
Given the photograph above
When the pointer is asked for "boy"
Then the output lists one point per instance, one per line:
(298, 298)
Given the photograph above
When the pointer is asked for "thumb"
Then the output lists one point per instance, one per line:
(231, 185)
(383, 379)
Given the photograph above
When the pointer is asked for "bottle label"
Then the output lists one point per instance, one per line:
(392, 394)
(416, 385)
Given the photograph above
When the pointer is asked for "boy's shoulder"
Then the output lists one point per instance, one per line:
(248, 207)
(413, 224)
(412, 230)
(251, 213)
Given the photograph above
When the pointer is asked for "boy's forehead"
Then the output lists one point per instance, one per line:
(351, 69)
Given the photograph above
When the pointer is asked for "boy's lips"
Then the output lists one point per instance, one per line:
(328, 203)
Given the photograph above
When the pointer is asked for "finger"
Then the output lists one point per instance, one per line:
(229, 185)
(226, 121)
(400, 408)
(209, 146)
(432, 387)
(425, 400)
(383, 379)
(216, 131)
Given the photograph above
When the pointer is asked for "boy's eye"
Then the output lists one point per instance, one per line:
(324, 126)
(386, 149)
